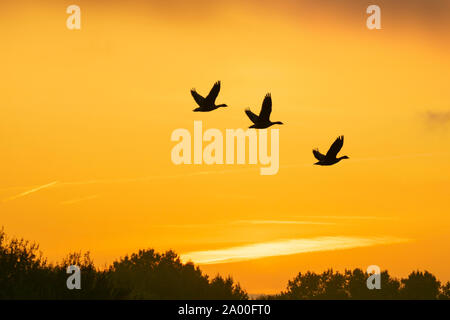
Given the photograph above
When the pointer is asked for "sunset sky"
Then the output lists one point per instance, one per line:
(86, 118)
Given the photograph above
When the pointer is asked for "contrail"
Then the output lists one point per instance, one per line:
(345, 217)
(284, 222)
(244, 222)
(112, 181)
(79, 200)
(203, 173)
(149, 178)
(23, 194)
(419, 155)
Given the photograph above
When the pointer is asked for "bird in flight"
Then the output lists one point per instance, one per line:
(263, 120)
(330, 158)
(209, 103)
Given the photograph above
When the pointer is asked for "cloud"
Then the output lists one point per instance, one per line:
(348, 217)
(127, 180)
(395, 157)
(79, 200)
(243, 222)
(283, 222)
(156, 177)
(438, 118)
(36, 189)
(283, 248)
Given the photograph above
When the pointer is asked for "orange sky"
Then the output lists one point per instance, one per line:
(86, 118)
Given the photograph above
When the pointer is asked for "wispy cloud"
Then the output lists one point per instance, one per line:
(348, 217)
(283, 222)
(79, 200)
(155, 177)
(283, 248)
(119, 181)
(438, 118)
(36, 189)
(395, 157)
(372, 158)
(244, 222)
(197, 173)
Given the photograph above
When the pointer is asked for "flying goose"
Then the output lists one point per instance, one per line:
(263, 120)
(209, 103)
(330, 158)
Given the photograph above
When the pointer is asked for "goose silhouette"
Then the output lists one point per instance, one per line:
(209, 103)
(330, 158)
(263, 120)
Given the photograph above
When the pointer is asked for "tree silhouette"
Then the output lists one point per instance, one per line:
(328, 285)
(353, 285)
(20, 262)
(25, 274)
(357, 286)
(420, 286)
(150, 275)
(445, 292)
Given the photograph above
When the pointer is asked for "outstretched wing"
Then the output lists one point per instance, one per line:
(212, 96)
(252, 116)
(266, 108)
(335, 147)
(198, 98)
(318, 155)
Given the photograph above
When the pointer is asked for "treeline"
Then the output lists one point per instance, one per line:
(352, 284)
(26, 274)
